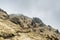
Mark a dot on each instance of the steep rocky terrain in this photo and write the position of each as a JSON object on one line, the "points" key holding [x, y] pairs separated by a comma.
{"points": [[20, 27]]}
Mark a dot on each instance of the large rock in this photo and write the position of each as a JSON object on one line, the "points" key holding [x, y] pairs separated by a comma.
{"points": [[3, 14], [36, 21]]}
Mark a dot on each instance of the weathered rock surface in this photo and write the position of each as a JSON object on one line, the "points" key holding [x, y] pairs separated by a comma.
{"points": [[20, 27]]}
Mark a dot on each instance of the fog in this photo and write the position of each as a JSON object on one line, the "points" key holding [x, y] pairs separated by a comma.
{"points": [[47, 10]]}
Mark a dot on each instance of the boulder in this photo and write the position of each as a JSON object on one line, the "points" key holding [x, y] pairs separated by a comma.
{"points": [[3, 14], [35, 21], [57, 31]]}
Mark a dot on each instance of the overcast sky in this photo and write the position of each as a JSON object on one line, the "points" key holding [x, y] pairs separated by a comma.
{"points": [[47, 10]]}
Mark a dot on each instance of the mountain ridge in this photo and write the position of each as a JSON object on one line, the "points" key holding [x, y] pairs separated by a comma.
{"points": [[20, 27]]}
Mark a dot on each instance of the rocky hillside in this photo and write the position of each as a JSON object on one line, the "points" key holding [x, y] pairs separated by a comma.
{"points": [[20, 27]]}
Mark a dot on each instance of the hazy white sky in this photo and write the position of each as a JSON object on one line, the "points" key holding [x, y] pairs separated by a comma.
{"points": [[47, 10]]}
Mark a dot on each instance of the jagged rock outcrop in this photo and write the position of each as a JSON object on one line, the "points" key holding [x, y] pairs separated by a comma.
{"points": [[20, 27], [3, 14]]}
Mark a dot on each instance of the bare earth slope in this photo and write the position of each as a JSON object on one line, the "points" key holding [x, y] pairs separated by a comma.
{"points": [[20, 27]]}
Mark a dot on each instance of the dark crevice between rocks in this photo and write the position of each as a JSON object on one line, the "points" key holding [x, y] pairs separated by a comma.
{"points": [[15, 20], [24, 31], [7, 36], [51, 38], [42, 30]]}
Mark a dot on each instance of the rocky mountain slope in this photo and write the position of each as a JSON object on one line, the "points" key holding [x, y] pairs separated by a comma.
{"points": [[20, 27]]}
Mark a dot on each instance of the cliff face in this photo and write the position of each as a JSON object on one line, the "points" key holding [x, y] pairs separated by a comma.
{"points": [[20, 27]]}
